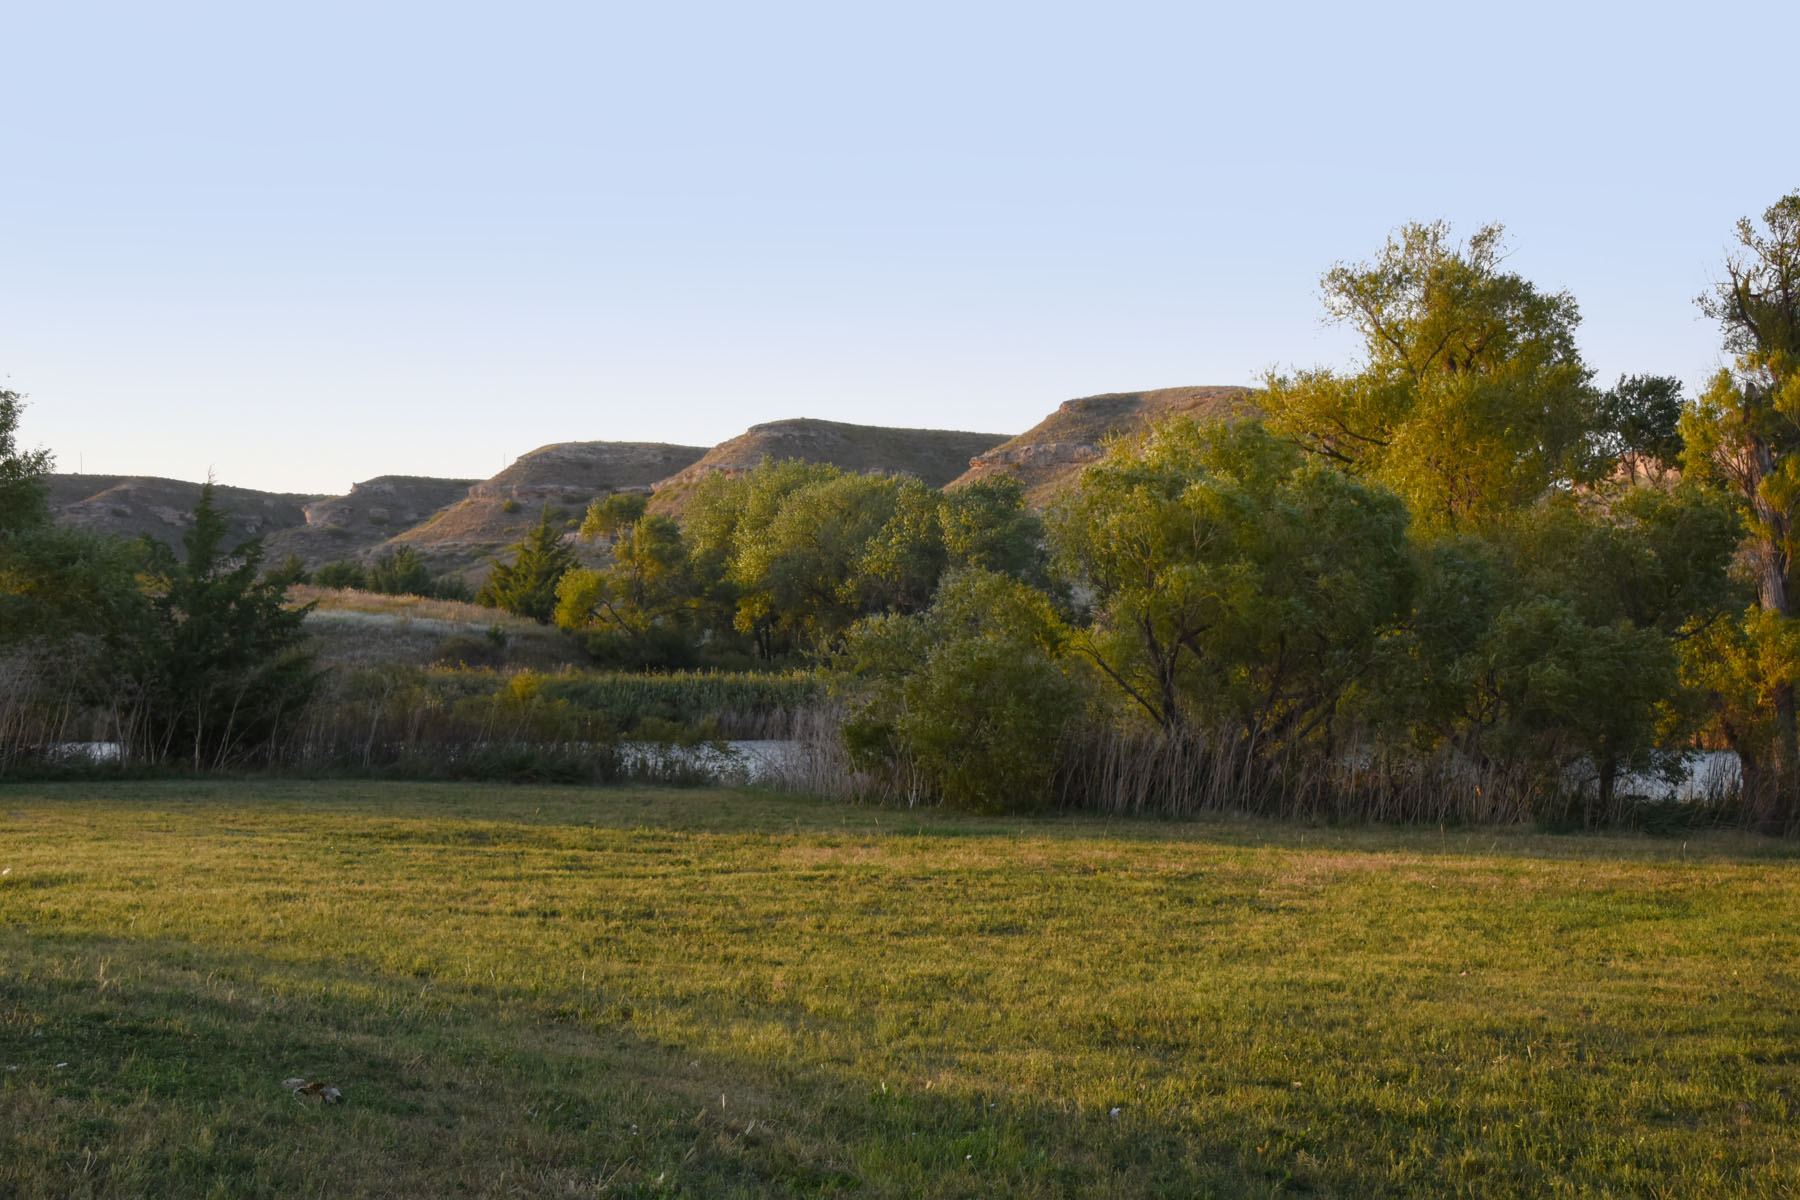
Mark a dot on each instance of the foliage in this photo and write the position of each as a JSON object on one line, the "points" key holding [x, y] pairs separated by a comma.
{"points": [[641, 609], [289, 571], [1745, 434], [1640, 425], [1232, 580], [607, 517], [341, 575], [222, 663], [21, 473], [984, 525], [969, 701], [402, 573], [1743, 666], [526, 586], [1551, 646], [795, 574], [1472, 401]]}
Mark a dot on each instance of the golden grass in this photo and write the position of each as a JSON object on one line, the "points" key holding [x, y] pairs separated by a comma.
{"points": [[544, 991]]}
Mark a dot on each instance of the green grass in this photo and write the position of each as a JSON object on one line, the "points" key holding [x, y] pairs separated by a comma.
{"points": [[566, 992]]}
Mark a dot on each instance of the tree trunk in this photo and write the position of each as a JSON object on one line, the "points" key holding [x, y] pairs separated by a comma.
{"points": [[1776, 811]]}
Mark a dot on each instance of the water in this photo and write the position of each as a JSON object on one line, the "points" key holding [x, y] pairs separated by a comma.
{"points": [[1711, 774], [758, 760]]}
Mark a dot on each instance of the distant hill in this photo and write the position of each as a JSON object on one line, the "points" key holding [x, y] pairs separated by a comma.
{"points": [[934, 456], [129, 505], [352, 526], [497, 512], [458, 524], [1049, 456]]}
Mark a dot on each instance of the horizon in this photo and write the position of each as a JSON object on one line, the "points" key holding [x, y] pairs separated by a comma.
{"points": [[303, 250]]}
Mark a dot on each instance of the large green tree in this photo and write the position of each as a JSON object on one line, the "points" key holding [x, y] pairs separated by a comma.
{"points": [[639, 611], [1233, 581], [1472, 399], [1745, 433]]}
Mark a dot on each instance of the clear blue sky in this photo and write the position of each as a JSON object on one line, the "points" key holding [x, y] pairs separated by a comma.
{"points": [[307, 244]]}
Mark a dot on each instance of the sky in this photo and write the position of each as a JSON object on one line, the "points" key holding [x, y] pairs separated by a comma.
{"points": [[299, 246]]}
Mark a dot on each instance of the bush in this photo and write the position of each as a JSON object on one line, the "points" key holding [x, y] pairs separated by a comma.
{"points": [[968, 702], [341, 575]]}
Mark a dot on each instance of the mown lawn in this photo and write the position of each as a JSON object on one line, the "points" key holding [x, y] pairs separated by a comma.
{"points": [[567, 992]]}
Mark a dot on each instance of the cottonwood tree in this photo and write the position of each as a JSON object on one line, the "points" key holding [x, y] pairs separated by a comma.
{"points": [[640, 610], [21, 473], [1472, 400], [1745, 432], [1234, 582]]}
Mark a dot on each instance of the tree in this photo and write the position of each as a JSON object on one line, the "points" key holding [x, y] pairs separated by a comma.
{"points": [[1234, 582], [1640, 425], [1585, 660], [1745, 433], [725, 514], [1472, 401], [288, 572], [795, 575], [222, 661], [639, 609], [342, 574], [967, 702], [21, 473], [526, 587], [402, 573], [608, 517]]}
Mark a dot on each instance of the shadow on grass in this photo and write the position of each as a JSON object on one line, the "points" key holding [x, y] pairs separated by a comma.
{"points": [[155, 1068]]}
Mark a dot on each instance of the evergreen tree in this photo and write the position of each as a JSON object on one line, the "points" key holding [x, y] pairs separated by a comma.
{"points": [[222, 661], [402, 573], [526, 587]]}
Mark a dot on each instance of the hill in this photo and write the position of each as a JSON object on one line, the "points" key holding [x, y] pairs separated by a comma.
{"points": [[353, 526], [131, 505], [496, 512], [934, 456], [1047, 457]]}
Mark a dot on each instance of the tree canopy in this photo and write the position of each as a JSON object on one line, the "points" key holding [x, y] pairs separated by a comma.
{"points": [[1472, 400]]}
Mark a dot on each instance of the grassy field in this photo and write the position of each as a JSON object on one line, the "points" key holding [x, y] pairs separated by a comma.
{"points": [[561, 992]]}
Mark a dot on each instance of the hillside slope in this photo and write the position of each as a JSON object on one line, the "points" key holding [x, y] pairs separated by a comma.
{"points": [[353, 526], [1048, 457], [130, 505], [934, 456], [497, 512]]}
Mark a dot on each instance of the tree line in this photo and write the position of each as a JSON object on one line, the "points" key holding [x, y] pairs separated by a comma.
{"points": [[1461, 558]]}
